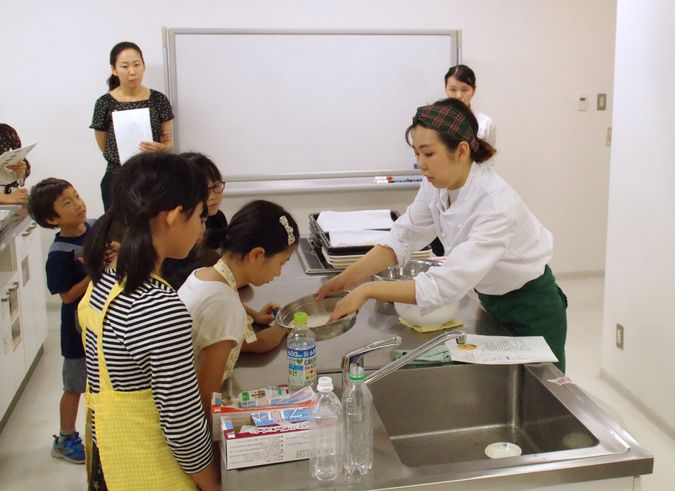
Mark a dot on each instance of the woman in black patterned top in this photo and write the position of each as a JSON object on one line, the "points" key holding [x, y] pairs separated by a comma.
{"points": [[10, 191], [128, 92]]}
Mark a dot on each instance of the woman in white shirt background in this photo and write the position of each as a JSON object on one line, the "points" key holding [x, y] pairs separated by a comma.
{"points": [[493, 243], [460, 83]]}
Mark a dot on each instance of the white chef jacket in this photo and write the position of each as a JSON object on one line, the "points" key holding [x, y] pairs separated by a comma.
{"points": [[486, 128], [493, 243]]}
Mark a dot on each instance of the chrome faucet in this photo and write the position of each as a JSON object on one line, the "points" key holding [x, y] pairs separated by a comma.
{"points": [[355, 357]]}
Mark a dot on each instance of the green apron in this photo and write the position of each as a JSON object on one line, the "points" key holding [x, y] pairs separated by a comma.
{"points": [[538, 308]]}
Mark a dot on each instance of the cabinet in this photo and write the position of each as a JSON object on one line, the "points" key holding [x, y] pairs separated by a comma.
{"points": [[31, 288], [23, 313]]}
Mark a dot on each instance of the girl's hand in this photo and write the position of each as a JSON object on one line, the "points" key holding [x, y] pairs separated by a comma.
{"points": [[350, 303], [266, 314], [152, 147]]}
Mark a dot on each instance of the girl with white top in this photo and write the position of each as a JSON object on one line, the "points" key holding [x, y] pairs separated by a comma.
{"points": [[460, 83], [259, 240], [494, 244]]}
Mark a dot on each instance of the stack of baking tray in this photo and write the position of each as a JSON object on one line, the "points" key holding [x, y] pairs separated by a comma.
{"points": [[341, 257]]}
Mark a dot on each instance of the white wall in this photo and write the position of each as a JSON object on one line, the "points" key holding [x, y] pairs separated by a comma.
{"points": [[641, 227], [533, 59]]}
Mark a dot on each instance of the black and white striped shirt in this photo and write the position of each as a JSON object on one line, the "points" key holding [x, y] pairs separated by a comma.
{"points": [[147, 344]]}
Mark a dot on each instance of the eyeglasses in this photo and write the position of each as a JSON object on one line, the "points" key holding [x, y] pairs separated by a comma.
{"points": [[217, 187]]}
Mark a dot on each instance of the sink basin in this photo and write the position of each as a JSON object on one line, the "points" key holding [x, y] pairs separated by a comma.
{"points": [[449, 415]]}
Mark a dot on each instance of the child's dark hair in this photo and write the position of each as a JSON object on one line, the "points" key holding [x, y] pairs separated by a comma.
{"points": [[147, 184], [263, 224], [462, 73], [41, 200], [484, 152], [114, 80], [205, 164]]}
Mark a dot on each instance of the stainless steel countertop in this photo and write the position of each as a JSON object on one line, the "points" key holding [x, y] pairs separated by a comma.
{"points": [[377, 320]]}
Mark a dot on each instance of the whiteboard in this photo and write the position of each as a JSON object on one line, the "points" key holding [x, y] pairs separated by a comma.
{"points": [[294, 104]]}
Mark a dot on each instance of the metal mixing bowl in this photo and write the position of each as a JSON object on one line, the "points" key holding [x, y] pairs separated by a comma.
{"points": [[315, 308], [407, 272]]}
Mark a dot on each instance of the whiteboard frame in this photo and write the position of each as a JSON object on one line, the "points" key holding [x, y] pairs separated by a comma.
{"points": [[170, 77]]}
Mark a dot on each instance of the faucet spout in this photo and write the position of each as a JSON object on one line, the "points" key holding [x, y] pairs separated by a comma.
{"points": [[355, 357], [459, 336]]}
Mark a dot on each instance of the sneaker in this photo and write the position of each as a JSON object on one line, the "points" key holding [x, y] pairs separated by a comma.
{"points": [[70, 448]]}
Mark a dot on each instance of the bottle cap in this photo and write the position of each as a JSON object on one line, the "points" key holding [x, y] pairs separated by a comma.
{"points": [[300, 319], [357, 373], [325, 384]]}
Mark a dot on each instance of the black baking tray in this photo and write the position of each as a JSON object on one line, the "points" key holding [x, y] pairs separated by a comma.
{"points": [[324, 238]]}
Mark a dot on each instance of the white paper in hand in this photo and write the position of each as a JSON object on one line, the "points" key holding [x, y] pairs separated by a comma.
{"points": [[10, 157], [131, 128]]}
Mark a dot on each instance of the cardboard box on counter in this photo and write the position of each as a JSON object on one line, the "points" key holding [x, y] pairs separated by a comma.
{"points": [[240, 416], [264, 445]]}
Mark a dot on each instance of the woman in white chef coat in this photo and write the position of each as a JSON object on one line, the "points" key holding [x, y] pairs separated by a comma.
{"points": [[493, 243], [460, 83]]}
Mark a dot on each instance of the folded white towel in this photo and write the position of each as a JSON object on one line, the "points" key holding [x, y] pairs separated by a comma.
{"points": [[346, 238], [335, 221]]}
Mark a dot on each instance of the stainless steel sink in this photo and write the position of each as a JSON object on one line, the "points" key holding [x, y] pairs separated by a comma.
{"points": [[437, 415]]}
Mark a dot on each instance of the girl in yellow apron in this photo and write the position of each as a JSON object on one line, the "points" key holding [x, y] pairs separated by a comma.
{"points": [[147, 429], [260, 239]]}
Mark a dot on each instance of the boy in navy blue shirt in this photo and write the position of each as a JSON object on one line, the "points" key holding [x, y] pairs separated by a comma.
{"points": [[54, 203]]}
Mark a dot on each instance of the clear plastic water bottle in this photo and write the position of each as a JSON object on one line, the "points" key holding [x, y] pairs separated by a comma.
{"points": [[357, 403], [301, 349], [325, 433]]}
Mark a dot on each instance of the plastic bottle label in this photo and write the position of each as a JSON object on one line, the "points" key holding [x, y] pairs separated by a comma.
{"points": [[301, 366]]}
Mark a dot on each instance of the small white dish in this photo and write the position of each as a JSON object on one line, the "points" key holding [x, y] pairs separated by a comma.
{"points": [[499, 450]]}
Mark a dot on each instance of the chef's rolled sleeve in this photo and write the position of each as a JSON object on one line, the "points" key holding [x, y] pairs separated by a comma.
{"points": [[413, 230]]}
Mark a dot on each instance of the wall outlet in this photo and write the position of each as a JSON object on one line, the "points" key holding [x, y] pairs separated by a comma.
{"points": [[601, 103], [608, 140], [619, 336], [583, 103]]}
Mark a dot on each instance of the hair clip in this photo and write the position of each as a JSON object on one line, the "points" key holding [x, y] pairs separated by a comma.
{"points": [[289, 230]]}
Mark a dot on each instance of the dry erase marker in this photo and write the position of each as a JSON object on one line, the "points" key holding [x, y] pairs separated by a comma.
{"points": [[394, 180]]}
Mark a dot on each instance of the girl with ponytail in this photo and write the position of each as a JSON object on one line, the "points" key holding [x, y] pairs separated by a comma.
{"points": [[148, 428], [126, 91], [493, 243], [259, 240]]}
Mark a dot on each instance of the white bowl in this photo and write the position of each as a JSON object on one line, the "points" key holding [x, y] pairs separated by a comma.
{"points": [[440, 316]]}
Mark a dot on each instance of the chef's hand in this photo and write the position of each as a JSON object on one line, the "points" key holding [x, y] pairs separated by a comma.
{"points": [[153, 147], [266, 314], [350, 303], [339, 282]]}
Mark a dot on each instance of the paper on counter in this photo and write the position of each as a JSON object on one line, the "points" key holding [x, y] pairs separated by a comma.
{"points": [[501, 350], [12, 157], [131, 128], [346, 238], [337, 221]]}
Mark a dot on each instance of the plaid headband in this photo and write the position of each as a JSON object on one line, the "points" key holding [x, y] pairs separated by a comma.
{"points": [[449, 121]]}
